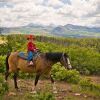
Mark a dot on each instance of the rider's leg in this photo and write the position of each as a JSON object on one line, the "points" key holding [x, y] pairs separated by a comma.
{"points": [[30, 57]]}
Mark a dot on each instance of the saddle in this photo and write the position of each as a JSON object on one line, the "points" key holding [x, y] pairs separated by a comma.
{"points": [[25, 55]]}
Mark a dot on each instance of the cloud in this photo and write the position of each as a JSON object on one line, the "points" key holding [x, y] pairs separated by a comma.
{"points": [[59, 12], [66, 1], [56, 4]]}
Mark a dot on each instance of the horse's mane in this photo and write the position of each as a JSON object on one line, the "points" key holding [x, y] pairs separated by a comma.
{"points": [[54, 56]]}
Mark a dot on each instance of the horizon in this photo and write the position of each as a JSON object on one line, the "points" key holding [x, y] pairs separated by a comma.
{"points": [[16, 13], [50, 25]]}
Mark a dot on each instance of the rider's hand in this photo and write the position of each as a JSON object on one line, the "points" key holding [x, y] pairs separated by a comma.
{"points": [[36, 50]]}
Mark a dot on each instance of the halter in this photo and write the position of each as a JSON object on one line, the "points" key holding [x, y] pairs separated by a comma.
{"points": [[65, 60]]}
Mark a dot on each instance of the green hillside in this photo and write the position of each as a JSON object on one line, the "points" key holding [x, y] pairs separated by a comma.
{"points": [[84, 54]]}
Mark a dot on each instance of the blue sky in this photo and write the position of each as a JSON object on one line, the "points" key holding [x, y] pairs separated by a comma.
{"points": [[58, 12]]}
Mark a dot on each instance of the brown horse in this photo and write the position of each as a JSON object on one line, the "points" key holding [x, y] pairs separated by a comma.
{"points": [[43, 65]]}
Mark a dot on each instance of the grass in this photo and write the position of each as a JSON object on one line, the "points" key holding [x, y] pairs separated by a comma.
{"points": [[45, 92], [88, 92], [25, 94]]}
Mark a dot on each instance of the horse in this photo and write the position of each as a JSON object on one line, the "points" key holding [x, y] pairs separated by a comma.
{"points": [[43, 65]]}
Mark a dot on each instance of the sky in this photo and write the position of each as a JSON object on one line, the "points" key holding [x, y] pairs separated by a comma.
{"points": [[15, 13]]}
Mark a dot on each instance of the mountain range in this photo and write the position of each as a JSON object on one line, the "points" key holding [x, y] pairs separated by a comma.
{"points": [[67, 30]]}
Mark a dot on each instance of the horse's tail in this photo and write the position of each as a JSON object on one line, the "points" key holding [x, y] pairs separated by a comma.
{"points": [[7, 64]]}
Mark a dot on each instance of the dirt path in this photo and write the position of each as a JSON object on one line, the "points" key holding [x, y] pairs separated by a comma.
{"points": [[95, 79], [63, 88]]}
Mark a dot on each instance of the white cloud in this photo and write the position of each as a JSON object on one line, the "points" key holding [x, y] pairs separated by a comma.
{"points": [[22, 12], [54, 3]]}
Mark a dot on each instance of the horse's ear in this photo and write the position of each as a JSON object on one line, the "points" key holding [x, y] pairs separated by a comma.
{"points": [[66, 54]]}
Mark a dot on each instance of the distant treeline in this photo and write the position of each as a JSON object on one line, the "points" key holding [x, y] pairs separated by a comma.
{"points": [[82, 42]]}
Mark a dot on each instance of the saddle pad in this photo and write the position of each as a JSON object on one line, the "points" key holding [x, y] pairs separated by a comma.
{"points": [[25, 55], [22, 55]]}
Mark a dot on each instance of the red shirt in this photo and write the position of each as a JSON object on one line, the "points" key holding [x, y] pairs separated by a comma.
{"points": [[31, 46]]}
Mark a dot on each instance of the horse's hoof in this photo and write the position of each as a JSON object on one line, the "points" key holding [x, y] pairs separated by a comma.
{"points": [[55, 92], [12, 94], [33, 92]]}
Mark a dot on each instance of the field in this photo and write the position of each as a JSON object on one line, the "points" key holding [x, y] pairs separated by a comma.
{"points": [[81, 83], [64, 91]]}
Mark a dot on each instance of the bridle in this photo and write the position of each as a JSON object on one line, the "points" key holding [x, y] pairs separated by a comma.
{"points": [[64, 60]]}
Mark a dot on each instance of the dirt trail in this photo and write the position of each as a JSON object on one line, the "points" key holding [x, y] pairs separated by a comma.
{"points": [[63, 88], [95, 79]]}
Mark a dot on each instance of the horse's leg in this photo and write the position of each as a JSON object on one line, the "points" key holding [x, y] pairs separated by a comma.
{"points": [[15, 80], [7, 67], [6, 76], [52, 80], [54, 87], [36, 81]]}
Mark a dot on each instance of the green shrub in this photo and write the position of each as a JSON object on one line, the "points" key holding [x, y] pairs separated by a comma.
{"points": [[85, 60], [2, 64], [96, 87], [88, 87], [60, 73], [44, 95], [3, 86], [4, 49], [87, 84]]}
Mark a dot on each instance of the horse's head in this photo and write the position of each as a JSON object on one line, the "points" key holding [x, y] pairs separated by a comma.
{"points": [[59, 57], [65, 61]]}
